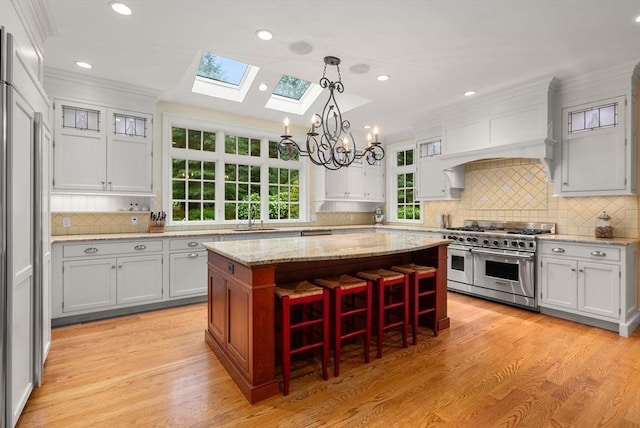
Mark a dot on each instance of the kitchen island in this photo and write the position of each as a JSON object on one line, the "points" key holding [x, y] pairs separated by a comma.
{"points": [[242, 276]]}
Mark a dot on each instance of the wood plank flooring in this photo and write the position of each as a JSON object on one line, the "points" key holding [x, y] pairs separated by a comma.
{"points": [[496, 366]]}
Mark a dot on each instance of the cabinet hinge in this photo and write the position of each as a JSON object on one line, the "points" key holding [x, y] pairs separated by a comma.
{"points": [[619, 274], [63, 305], [619, 311]]}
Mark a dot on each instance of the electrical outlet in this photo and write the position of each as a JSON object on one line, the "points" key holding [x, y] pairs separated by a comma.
{"points": [[134, 220], [66, 221]]}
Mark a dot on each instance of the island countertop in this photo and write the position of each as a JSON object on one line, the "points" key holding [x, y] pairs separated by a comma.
{"points": [[331, 247]]}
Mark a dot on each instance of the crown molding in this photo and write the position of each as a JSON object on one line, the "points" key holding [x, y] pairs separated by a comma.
{"points": [[98, 82], [37, 20]]}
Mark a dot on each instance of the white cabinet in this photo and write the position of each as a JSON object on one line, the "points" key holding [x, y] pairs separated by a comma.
{"points": [[374, 182], [345, 183], [103, 275], [436, 180], [188, 266], [103, 150], [595, 155], [590, 282]]}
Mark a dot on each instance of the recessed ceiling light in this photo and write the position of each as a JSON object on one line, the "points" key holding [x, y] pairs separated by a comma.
{"points": [[83, 64], [301, 47], [120, 8], [469, 93], [264, 34], [263, 87], [383, 77], [367, 127], [637, 19]]}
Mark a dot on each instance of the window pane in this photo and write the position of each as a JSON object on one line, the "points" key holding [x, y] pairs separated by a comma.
{"points": [[255, 174], [243, 192], [593, 118], [229, 191], [401, 196], [608, 116], [400, 159], [179, 211], [291, 87], [179, 189], [230, 172], [409, 157], [400, 181], [223, 69], [255, 147], [284, 176], [195, 140], [179, 168], [243, 146], [409, 180], [243, 173], [209, 211], [230, 144], [195, 190], [208, 191], [209, 170], [209, 141], [194, 170], [230, 211], [273, 150], [295, 176], [194, 211]]}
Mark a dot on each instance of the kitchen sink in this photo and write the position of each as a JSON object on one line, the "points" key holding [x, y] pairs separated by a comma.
{"points": [[254, 229]]}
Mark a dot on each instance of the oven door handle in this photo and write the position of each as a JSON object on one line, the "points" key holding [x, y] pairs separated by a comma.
{"points": [[459, 247], [495, 253]]}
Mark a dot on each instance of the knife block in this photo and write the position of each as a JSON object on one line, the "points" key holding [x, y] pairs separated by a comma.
{"points": [[156, 226]]}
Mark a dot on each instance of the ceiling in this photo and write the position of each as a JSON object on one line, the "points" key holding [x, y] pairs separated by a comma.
{"points": [[434, 51]]}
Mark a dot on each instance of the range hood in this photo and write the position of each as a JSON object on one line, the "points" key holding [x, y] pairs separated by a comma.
{"points": [[516, 123]]}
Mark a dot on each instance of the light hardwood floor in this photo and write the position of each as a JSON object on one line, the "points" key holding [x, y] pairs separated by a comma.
{"points": [[495, 366]]}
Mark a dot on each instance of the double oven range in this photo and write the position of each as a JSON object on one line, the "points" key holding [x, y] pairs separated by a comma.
{"points": [[495, 260]]}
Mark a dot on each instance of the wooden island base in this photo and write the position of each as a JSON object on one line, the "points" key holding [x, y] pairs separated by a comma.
{"points": [[241, 306]]}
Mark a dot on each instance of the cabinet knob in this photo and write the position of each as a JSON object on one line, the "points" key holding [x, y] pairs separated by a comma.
{"points": [[192, 244], [598, 253], [119, 266], [573, 269], [558, 250], [140, 247], [580, 270]]}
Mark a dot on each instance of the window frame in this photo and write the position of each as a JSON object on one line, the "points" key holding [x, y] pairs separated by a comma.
{"points": [[221, 158], [393, 171]]}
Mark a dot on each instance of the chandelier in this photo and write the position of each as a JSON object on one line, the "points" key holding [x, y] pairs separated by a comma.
{"points": [[329, 140]]}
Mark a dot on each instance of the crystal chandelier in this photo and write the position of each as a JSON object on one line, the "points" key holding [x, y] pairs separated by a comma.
{"points": [[329, 140]]}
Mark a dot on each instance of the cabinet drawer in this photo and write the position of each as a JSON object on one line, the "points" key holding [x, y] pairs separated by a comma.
{"points": [[190, 243], [600, 252], [106, 248]]}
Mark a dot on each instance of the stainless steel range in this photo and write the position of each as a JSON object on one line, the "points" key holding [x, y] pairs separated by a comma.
{"points": [[495, 260]]}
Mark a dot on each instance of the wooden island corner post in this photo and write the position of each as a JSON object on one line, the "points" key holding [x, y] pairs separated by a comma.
{"points": [[241, 292]]}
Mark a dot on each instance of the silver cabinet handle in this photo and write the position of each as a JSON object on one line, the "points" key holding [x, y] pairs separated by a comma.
{"points": [[91, 250], [573, 269], [140, 247], [598, 253], [558, 250], [192, 244], [192, 255]]}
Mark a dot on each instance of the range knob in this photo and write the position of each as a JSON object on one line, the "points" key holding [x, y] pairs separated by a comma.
{"points": [[474, 239], [496, 243], [522, 244], [468, 239], [485, 242], [514, 244]]}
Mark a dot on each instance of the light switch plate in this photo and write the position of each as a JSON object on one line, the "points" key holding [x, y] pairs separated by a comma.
{"points": [[134, 220], [66, 221]]}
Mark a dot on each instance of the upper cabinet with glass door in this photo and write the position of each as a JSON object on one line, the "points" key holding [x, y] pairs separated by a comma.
{"points": [[101, 150]]}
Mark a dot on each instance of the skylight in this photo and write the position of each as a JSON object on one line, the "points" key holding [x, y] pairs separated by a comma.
{"points": [[291, 87], [222, 77], [222, 69]]}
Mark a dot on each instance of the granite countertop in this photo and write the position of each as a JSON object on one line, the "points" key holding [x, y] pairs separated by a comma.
{"points": [[215, 232], [589, 239], [353, 245]]}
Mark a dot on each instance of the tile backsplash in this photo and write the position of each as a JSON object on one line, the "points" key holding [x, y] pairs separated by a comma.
{"points": [[517, 189]]}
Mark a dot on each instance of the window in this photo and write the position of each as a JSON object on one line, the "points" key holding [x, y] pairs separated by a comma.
{"points": [[603, 116], [222, 177], [241, 192], [430, 148], [129, 125], [80, 118], [407, 209], [284, 194], [291, 87], [222, 69]]}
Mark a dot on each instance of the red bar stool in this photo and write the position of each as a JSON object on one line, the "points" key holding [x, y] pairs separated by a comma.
{"points": [[351, 304], [304, 310], [423, 294], [392, 293]]}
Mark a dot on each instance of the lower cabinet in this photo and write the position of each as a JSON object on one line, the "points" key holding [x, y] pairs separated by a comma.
{"points": [[187, 273], [590, 281], [97, 283]]}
